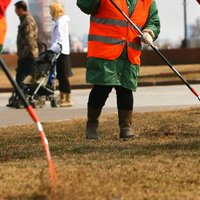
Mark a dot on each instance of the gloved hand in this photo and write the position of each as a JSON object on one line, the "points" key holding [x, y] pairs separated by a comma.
{"points": [[147, 38]]}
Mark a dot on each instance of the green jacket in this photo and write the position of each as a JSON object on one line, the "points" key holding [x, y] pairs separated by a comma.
{"points": [[119, 71]]}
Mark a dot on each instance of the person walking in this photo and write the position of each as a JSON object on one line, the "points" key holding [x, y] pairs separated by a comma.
{"points": [[3, 25], [27, 46], [60, 35], [113, 57]]}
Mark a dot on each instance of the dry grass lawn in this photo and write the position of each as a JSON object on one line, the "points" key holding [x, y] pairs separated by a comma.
{"points": [[162, 164], [147, 74]]}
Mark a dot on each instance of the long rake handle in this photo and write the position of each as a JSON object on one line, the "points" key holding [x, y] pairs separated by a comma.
{"points": [[33, 115], [176, 72], [157, 51]]}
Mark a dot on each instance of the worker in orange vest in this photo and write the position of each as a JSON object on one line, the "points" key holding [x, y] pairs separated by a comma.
{"points": [[113, 59], [3, 26]]}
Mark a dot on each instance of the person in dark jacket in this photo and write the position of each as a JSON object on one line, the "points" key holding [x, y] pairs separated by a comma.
{"points": [[114, 50], [27, 46]]}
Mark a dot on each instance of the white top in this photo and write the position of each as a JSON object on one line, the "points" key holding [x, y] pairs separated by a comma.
{"points": [[60, 34]]}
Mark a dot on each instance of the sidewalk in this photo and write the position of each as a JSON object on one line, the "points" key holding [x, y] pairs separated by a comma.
{"points": [[146, 99]]}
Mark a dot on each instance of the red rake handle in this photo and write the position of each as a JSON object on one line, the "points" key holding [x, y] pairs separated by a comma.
{"points": [[45, 144], [157, 50], [33, 115]]}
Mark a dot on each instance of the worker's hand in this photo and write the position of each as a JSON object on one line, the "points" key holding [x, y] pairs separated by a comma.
{"points": [[147, 38]]}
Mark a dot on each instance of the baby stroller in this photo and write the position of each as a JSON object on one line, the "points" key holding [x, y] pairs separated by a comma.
{"points": [[40, 86]]}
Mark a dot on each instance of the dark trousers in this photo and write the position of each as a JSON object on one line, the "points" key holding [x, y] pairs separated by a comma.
{"points": [[63, 72], [100, 93], [25, 66]]}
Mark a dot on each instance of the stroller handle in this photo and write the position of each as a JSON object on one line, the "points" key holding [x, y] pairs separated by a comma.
{"points": [[59, 52], [60, 45]]}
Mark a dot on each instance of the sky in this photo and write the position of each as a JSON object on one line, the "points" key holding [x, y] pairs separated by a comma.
{"points": [[170, 12]]}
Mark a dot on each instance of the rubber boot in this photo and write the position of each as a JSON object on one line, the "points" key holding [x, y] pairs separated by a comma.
{"points": [[125, 121], [65, 100], [92, 123]]}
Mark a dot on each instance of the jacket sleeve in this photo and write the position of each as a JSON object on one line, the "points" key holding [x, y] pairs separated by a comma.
{"points": [[59, 35], [153, 22], [30, 33], [89, 6]]}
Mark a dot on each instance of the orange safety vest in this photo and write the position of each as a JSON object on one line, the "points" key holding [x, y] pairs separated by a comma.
{"points": [[3, 27], [110, 32]]}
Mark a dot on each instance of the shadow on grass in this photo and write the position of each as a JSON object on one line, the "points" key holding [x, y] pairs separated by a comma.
{"points": [[32, 197], [102, 147], [138, 149]]}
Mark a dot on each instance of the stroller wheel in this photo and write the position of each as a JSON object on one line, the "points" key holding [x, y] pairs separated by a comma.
{"points": [[55, 102], [35, 104], [15, 102], [19, 105], [11, 102], [42, 102]]}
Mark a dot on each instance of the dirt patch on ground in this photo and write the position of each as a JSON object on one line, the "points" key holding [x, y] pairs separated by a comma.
{"points": [[163, 163]]}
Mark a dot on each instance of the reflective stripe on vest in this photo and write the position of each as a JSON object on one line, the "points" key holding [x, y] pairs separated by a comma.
{"points": [[106, 39], [110, 32], [110, 40], [114, 22]]}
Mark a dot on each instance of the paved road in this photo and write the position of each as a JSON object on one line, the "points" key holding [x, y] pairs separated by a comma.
{"points": [[155, 98]]}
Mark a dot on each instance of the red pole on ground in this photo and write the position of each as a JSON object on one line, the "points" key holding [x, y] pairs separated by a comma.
{"points": [[35, 118]]}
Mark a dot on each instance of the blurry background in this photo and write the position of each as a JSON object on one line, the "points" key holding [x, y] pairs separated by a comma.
{"points": [[177, 24]]}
